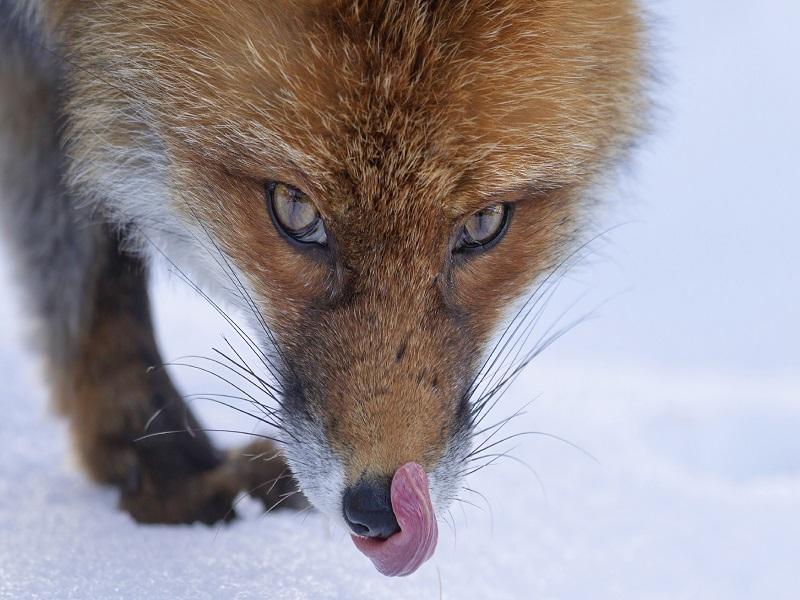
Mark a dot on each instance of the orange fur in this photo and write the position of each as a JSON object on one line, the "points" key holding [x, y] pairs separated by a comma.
{"points": [[399, 119]]}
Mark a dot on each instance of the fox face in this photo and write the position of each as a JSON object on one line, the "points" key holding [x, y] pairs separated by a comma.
{"points": [[375, 183]]}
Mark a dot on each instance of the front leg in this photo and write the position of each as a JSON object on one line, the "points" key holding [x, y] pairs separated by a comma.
{"points": [[114, 395]]}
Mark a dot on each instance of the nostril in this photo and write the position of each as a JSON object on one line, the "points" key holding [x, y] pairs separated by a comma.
{"points": [[368, 510]]}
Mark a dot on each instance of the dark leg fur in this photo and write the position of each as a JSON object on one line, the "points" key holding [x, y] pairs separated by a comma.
{"points": [[111, 386], [89, 299]]}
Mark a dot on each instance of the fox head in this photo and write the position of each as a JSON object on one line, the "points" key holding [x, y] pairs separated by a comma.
{"points": [[375, 182]]}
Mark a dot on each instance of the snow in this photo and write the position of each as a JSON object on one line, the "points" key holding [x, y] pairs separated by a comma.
{"points": [[695, 494], [686, 391]]}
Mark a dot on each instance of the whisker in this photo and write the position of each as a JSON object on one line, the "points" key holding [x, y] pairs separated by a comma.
{"points": [[222, 364], [186, 279], [519, 345], [471, 471], [503, 386], [280, 501], [552, 436], [488, 505], [244, 365], [559, 270], [517, 322], [233, 276], [451, 523], [256, 381], [266, 421], [204, 430], [518, 413], [213, 374], [241, 497]]}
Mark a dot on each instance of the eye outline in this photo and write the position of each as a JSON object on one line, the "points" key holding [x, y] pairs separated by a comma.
{"points": [[460, 248], [295, 239]]}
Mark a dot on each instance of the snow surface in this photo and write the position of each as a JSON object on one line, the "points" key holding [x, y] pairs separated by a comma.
{"points": [[695, 495]]}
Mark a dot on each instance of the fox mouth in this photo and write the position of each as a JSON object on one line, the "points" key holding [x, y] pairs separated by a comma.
{"points": [[405, 551]]}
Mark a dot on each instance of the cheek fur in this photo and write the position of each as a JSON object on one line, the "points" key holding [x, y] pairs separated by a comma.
{"points": [[285, 281], [485, 284]]}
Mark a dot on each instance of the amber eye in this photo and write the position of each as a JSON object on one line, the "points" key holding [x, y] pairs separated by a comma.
{"points": [[483, 228], [295, 215]]}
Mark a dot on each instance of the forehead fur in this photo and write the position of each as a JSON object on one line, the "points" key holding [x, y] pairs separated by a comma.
{"points": [[460, 98]]}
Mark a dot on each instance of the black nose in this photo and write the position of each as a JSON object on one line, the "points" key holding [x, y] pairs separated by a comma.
{"points": [[368, 508]]}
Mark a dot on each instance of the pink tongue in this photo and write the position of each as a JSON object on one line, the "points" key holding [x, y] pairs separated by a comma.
{"points": [[406, 550]]}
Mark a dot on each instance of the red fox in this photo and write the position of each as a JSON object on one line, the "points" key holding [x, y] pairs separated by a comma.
{"points": [[373, 183]]}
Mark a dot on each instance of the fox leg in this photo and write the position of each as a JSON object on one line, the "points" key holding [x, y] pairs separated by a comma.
{"points": [[110, 390], [113, 390], [89, 299]]}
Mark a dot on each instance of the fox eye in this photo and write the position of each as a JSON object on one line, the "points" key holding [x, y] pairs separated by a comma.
{"points": [[295, 215], [483, 228]]}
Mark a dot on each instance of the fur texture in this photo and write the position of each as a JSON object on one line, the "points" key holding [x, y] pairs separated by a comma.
{"points": [[399, 120]]}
